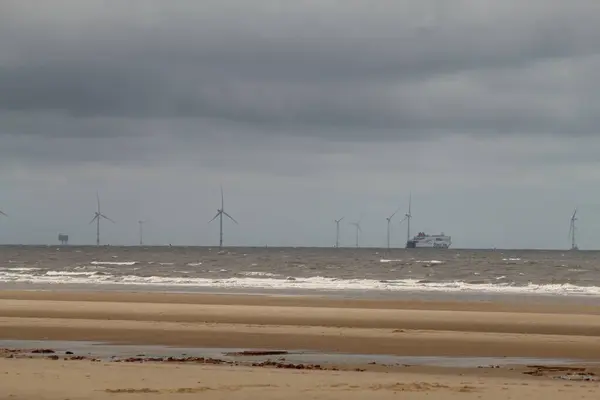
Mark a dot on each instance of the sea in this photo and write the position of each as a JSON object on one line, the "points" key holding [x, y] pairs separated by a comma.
{"points": [[355, 272]]}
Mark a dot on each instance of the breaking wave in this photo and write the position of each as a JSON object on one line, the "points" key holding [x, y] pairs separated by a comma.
{"points": [[256, 281]]}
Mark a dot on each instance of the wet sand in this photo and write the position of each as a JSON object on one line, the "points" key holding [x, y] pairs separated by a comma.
{"points": [[482, 329]]}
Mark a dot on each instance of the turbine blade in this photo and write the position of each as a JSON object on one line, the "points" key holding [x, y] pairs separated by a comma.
{"points": [[93, 219], [215, 217], [395, 212], [1, 213], [222, 199], [105, 217], [230, 217], [98, 200]]}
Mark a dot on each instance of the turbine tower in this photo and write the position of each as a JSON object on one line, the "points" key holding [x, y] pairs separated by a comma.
{"points": [[572, 230], [2, 214], [97, 217], [220, 212], [141, 223], [358, 230], [337, 231], [389, 221], [408, 216]]}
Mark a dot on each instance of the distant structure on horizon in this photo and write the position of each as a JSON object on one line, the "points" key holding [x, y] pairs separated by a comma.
{"points": [[97, 216], [422, 239], [337, 231], [141, 223], [220, 212], [572, 229], [407, 217], [63, 239], [358, 230], [389, 221]]}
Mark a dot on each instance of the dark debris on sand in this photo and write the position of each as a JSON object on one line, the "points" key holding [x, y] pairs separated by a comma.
{"points": [[51, 355], [562, 372]]}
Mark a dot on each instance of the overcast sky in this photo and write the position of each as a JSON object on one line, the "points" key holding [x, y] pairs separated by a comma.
{"points": [[488, 111]]}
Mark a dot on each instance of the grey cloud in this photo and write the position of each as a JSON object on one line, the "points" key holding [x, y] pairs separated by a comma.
{"points": [[340, 70]]}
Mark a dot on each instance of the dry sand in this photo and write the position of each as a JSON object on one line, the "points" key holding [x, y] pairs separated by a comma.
{"points": [[352, 326], [44, 379]]}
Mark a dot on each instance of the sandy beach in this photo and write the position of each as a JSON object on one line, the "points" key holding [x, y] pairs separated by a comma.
{"points": [[45, 379], [403, 328]]}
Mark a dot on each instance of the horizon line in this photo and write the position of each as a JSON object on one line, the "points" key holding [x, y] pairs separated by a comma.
{"points": [[349, 247]]}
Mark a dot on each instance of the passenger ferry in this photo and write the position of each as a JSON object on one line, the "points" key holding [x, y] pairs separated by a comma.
{"points": [[422, 239]]}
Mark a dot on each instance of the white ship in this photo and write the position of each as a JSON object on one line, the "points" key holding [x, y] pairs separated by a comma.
{"points": [[422, 239]]}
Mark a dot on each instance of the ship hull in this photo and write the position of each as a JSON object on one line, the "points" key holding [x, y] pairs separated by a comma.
{"points": [[416, 245], [429, 242]]}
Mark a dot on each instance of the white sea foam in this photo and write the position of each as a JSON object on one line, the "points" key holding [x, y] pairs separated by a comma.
{"points": [[71, 273], [196, 264], [258, 273], [383, 260], [113, 262], [511, 259], [20, 269], [311, 283]]}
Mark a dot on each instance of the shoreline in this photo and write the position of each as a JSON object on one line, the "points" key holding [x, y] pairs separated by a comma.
{"points": [[547, 304], [411, 295]]}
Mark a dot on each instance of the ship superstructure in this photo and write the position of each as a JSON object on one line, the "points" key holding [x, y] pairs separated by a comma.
{"points": [[422, 239]]}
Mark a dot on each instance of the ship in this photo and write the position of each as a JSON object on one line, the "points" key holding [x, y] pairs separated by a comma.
{"points": [[422, 239]]}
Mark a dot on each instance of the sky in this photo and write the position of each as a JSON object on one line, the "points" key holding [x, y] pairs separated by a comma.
{"points": [[487, 111]]}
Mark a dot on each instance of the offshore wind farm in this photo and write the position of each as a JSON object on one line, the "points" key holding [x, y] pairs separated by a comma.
{"points": [[420, 240]]}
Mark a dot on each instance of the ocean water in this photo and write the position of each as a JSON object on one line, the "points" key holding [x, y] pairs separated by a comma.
{"points": [[304, 270]]}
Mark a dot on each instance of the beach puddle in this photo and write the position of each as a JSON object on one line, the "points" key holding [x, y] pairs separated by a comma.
{"points": [[245, 356]]}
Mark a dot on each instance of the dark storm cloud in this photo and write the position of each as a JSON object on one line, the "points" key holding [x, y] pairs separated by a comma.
{"points": [[334, 69]]}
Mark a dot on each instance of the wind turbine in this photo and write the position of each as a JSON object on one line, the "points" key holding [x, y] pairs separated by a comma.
{"points": [[408, 216], [141, 223], [572, 230], [358, 229], [389, 221], [97, 216], [337, 231], [220, 212], [3, 214]]}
